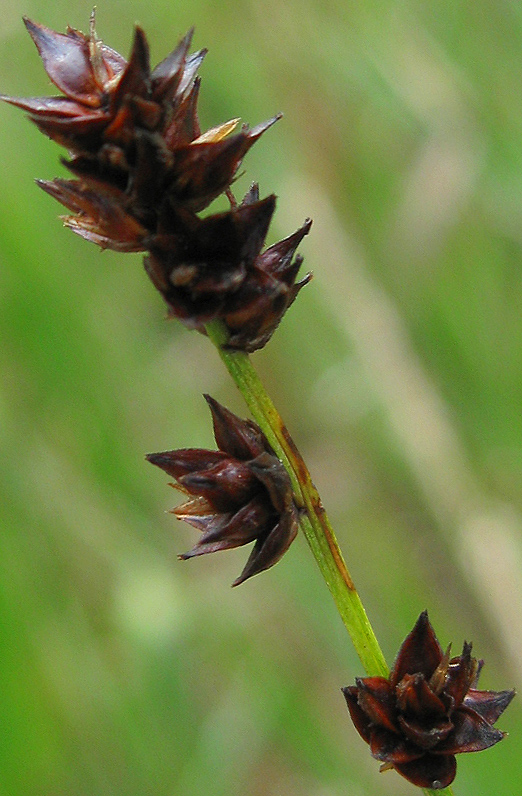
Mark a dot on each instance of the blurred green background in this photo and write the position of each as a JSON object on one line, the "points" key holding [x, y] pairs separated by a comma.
{"points": [[124, 672]]}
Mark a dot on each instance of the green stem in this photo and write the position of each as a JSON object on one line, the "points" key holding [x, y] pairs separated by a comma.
{"points": [[314, 522]]}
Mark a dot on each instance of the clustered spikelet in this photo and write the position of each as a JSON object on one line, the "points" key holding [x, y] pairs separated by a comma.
{"points": [[238, 494], [427, 711], [144, 171], [218, 270]]}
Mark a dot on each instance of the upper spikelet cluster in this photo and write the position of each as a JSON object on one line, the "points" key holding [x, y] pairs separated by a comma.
{"points": [[144, 171]]}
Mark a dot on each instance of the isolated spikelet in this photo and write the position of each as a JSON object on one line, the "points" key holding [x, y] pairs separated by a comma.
{"points": [[238, 494], [427, 711]]}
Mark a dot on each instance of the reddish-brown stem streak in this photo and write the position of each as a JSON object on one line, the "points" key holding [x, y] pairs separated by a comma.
{"points": [[315, 505]]}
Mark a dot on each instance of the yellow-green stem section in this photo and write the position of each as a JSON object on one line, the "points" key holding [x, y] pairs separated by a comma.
{"points": [[314, 522]]}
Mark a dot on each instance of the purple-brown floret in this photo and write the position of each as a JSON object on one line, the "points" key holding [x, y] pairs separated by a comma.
{"points": [[238, 494]]}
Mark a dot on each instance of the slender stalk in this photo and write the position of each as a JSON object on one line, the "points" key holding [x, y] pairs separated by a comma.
{"points": [[314, 521]]}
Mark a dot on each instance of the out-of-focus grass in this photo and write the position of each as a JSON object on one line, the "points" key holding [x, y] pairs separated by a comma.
{"points": [[399, 371]]}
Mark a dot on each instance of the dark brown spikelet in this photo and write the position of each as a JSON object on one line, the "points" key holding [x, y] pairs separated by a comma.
{"points": [[131, 127], [238, 494], [427, 711], [216, 269], [144, 171]]}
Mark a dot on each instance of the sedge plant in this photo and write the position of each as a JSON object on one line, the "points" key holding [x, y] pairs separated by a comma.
{"points": [[142, 175]]}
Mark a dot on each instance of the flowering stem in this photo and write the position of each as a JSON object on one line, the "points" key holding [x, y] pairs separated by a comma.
{"points": [[314, 520], [314, 523]]}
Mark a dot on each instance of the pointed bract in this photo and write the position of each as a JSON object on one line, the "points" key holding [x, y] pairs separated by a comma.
{"points": [[67, 60], [242, 439]]}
